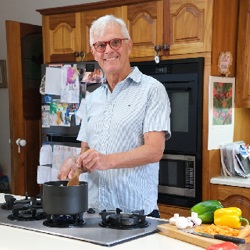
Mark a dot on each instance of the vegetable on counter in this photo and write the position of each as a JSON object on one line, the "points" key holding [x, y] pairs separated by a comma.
{"points": [[223, 246], [182, 222], [230, 216], [206, 209], [244, 232], [224, 230]]}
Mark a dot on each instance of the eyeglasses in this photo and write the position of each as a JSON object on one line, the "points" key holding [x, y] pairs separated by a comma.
{"points": [[115, 44]]}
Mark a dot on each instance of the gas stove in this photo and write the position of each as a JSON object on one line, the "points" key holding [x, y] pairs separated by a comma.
{"points": [[106, 228]]}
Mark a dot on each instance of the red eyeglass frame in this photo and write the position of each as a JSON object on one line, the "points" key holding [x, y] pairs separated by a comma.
{"points": [[108, 42]]}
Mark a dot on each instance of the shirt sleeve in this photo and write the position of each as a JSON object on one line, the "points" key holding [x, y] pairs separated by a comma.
{"points": [[158, 110]]}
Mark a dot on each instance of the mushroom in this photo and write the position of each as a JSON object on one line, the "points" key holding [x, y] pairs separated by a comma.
{"points": [[182, 222], [172, 220], [194, 219]]}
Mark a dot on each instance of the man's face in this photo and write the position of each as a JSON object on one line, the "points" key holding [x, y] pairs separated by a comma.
{"points": [[113, 61]]}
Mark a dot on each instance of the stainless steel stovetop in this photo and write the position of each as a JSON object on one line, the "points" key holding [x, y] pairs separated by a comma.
{"points": [[90, 232]]}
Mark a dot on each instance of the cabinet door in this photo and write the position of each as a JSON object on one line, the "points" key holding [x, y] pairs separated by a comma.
{"points": [[62, 37], [243, 57], [90, 16], [190, 26], [232, 197], [145, 26]]}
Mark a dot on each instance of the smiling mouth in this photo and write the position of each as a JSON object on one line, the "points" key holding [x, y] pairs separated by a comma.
{"points": [[109, 59]]}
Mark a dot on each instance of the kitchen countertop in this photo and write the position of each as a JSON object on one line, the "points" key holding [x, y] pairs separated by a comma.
{"points": [[235, 181], [23, 239]]}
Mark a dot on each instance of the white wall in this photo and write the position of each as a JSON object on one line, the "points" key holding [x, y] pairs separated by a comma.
{"points": [[23, 11]]}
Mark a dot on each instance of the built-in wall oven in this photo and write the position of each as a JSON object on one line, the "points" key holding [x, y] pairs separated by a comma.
{"points": [[180, 174]]}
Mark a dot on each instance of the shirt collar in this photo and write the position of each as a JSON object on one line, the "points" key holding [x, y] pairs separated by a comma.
{"points": [[135, 76]]}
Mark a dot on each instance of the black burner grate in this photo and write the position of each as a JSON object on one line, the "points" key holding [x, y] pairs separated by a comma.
{"points": [[118, 220], [64, 220]]}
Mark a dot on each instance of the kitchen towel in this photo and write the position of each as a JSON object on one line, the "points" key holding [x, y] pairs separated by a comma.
{"points": [[46, 155]]}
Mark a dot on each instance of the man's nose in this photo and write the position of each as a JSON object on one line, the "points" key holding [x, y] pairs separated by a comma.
{"points": [[108, 47]]}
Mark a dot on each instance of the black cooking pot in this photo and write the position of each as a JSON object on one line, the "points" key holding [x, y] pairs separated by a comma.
{"points": [[60, 199]]}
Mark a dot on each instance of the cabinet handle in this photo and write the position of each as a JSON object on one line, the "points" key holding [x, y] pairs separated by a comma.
{"points": [[83, 55], [157, 48], [76, 54], [165, 47]]}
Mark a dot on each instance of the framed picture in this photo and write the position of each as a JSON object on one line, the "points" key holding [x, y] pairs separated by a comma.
{"points": [[224, 62], [3, 74], [221, 111]]}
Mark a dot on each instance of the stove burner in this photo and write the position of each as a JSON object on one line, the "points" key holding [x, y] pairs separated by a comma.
{"points": [[10, 201], [26, 213], [64, 220], [118, 220], [27, 209]]}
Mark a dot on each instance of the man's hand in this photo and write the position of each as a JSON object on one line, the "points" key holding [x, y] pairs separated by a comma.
{"points": [[68, 168], [92, 160]]}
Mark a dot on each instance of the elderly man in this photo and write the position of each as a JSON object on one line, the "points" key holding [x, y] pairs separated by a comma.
{"points": [[125, 126]]}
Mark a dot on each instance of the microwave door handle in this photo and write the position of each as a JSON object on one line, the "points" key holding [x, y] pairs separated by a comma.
{"points": [[177, 89]]}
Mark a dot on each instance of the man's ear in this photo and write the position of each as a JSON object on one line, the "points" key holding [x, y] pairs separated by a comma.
{"points": [[92, 51], [130, 45]]}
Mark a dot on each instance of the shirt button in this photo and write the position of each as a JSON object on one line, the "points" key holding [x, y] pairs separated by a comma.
{"points": [[110, 105], [106, 125], [103, 145]]}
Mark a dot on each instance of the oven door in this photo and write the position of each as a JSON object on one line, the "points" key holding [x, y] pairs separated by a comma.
{"points": [[182, 90]]}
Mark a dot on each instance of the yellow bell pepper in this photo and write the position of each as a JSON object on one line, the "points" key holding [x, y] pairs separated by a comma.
{"points": [[229, 216]]}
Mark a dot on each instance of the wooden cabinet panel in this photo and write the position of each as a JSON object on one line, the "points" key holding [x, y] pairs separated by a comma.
{"points": [[62, 37], [191, 26], [90, 16], [168, 211], [232, 197], [243, 56], [145, 26]]}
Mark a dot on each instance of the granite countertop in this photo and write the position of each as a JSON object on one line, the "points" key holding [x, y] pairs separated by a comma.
{"points": [[235, 181]]}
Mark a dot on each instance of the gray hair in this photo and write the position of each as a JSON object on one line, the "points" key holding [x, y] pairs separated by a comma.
{"points": [[98, 27]]}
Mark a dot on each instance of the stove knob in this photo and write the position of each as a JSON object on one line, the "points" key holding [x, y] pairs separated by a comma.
{"points": [[91, 211]]}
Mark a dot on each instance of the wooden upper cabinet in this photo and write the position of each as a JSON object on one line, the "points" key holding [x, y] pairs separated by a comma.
{"points": [[190, 24], [90, 16], [145, 26], [66, 36], [62, 37], [242, 98], [176, 27], [184, 26]]}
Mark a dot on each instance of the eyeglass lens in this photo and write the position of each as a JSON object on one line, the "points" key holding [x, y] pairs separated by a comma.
{"points": [[114, 44]]}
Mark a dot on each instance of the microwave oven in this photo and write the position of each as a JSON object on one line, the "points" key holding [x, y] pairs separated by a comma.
{"points": [[177, 175], [180, 173]]}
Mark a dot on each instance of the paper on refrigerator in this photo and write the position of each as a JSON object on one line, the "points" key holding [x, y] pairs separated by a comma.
{"points": [[59, 114], [70, 85], [53, 81]]}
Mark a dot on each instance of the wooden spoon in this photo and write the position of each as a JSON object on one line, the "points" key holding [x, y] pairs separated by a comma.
{"points": [[74, 181]]}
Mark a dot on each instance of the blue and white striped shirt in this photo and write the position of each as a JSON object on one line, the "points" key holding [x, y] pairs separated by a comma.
{"points": [[116, 122]]}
